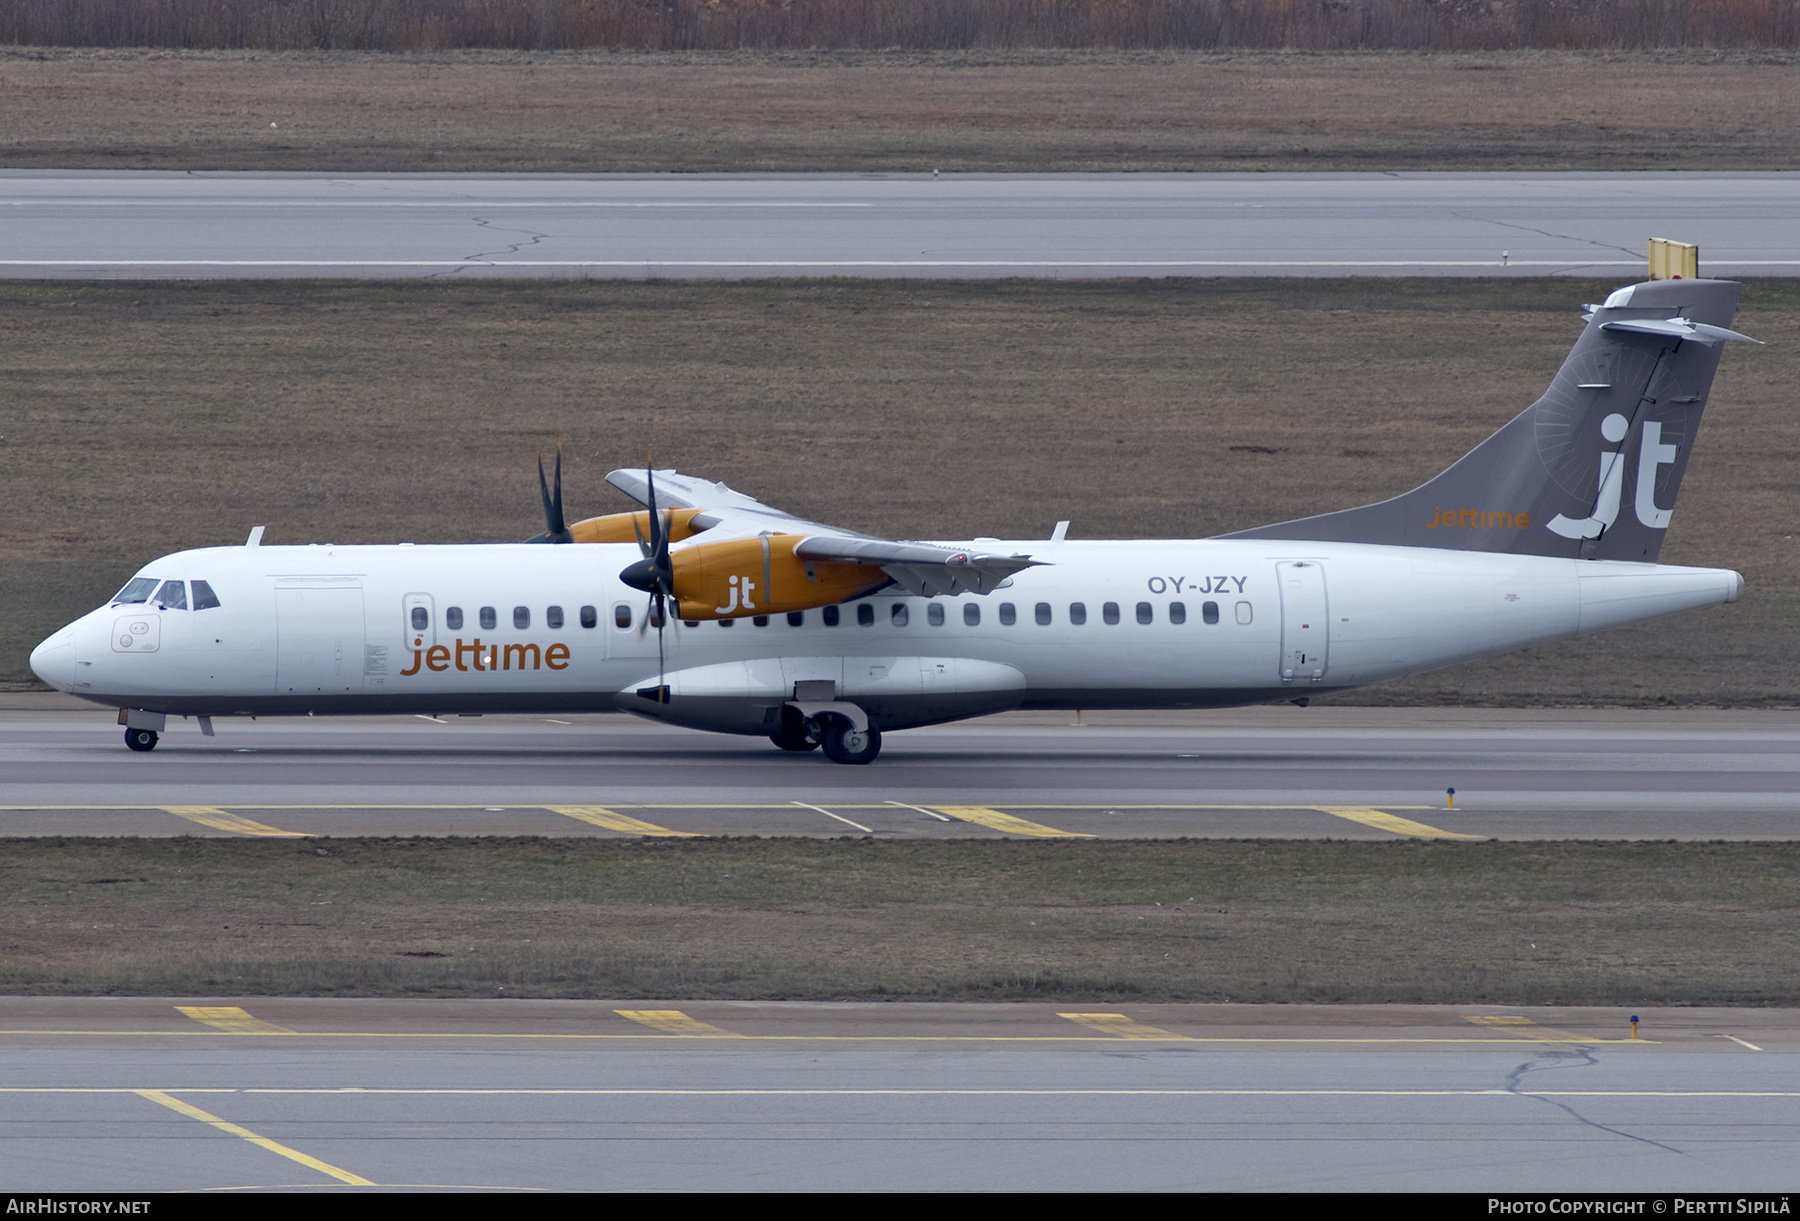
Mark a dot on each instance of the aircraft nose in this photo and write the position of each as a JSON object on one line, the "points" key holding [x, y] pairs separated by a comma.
{"points": [[54, 660]]}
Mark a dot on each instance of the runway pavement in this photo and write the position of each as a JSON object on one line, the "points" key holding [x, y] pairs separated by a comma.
{"points": [[1277, 772], [158, 1094], [108, 225]]}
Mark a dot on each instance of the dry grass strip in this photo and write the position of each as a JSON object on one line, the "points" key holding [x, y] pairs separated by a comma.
{"points": [[1272, 921]]}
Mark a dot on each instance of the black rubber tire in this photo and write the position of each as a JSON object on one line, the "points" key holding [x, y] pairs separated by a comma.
{"points": [[799, 743], [140, 739], [844, 744]]}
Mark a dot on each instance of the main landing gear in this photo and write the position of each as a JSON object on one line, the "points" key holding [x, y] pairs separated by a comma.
{"points": [[140, 739], [843, 742]]}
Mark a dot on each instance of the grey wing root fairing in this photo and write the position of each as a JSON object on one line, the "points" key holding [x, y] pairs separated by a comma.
{"points": [[1592, 468]]}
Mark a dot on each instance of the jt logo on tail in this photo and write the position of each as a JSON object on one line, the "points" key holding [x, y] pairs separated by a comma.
{"points": [[1612, 469]]}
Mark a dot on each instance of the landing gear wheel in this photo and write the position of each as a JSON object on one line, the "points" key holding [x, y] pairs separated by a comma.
{"points": [[141, 739], [798, 742], [846, 744]]}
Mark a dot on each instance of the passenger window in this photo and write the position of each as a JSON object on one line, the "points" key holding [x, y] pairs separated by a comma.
{"points": [[1043, 614], [1178, 612], [173, 595], [934, 614], [830, 616], [1008, 614], [521, 616], [553, 617], [1146, 613], [690, 623], [489, 619], [654, 616], [1110, 612], [796, 618], [622, 615], [589, 617], [1078, 613], [1243, 612], [204, 597], [971, 614], [865, 615], [760, 620], [138, 589], [726, 622], [899, 614], [453, 618], [421, 618], [1209, 612]]}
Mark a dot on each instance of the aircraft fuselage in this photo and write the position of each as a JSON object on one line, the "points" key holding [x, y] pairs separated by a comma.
{"points": [[326, 630]]}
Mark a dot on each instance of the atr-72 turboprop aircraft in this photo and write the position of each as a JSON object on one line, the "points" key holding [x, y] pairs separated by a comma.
{"points": [[756, 622]]}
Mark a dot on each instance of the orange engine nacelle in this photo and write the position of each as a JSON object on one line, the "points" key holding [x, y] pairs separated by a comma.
{"points": [[763, 576], [625, 527]]}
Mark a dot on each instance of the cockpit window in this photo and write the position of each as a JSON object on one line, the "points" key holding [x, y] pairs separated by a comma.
{"points": [[173, 595], [138, 589], [204, 597]]}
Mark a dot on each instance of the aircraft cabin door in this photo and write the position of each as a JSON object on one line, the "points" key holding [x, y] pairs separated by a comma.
{"points": [[1305, 626], [319, 636]]}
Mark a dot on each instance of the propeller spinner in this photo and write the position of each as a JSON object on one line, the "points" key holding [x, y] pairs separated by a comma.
{"points": [[655, 575]]}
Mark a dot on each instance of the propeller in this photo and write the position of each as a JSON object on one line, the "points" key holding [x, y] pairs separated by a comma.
{"points": [[655, 575], [555, 531]]}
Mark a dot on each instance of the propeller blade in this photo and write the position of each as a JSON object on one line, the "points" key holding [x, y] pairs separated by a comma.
{"points": [[555, 529]]}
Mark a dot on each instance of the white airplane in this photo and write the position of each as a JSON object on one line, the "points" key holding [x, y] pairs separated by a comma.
{"points": [[757, 622]]}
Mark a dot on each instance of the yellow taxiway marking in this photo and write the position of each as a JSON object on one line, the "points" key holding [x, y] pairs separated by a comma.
{"points": [[1527, 1028], [674, 1021], [612, 820], [795, 1038], [1120, 1025], [696, 805], [230, 1019], [1384, 821], [983, 816], [194, 1112], [222, 820], [725, 1092]]}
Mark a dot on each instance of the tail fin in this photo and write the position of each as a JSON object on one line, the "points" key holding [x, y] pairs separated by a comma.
{"points": [[1591, 469]]}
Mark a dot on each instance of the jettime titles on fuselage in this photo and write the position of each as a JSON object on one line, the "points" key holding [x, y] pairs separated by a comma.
{"points": [[1478, 519], [486, 658]]}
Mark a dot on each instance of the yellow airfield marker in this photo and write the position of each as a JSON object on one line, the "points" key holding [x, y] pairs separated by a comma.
{"points": [[1390, 822], [982, 816], [612, 820], [674, 1021], [1120, 1025], [223, 1125], [223, 820], [1529, 1029], [230, 1019]]}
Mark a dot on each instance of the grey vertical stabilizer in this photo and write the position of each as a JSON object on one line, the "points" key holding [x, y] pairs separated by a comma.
{"points": [[1591, 469]]}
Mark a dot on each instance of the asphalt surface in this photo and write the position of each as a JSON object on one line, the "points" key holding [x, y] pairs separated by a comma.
{"points": [[161, 1094], [105, 224], [1270, 772]]}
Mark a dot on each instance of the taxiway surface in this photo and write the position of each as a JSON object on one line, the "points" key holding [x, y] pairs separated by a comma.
{"points": [[1278, 772], [155, 1094], [106, 224]]}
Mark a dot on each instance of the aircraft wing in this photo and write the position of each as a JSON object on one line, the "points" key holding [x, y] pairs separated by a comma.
{"points": [[924, 569]]}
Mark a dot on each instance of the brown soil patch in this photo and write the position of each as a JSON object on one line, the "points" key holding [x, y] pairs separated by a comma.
{"points": [[899, 111], [1492, 923]]}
